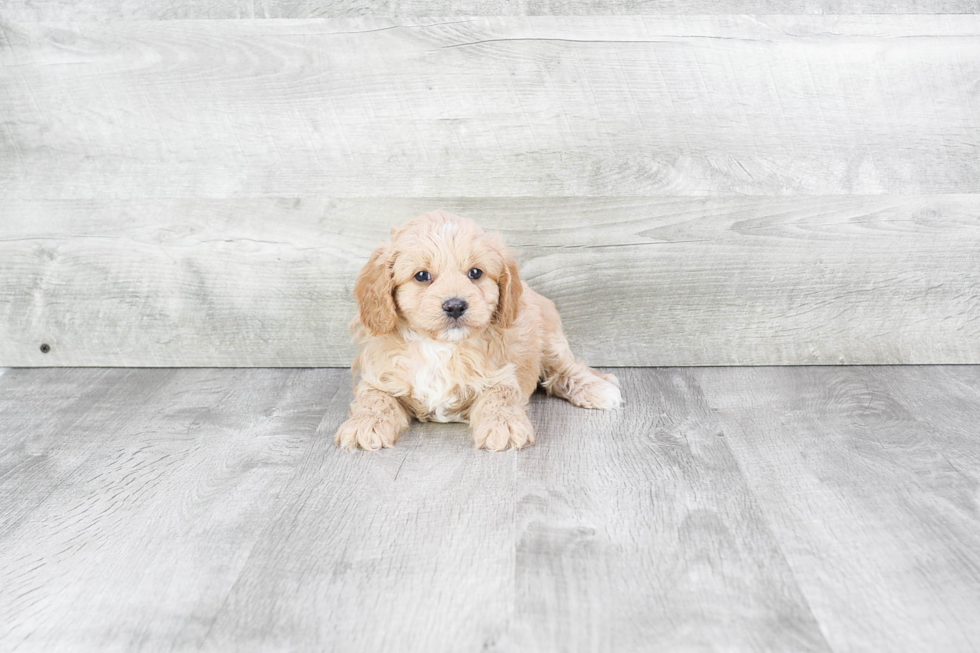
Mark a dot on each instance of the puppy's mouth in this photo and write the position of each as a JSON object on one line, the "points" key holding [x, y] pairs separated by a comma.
{"points": [[455, 331]]}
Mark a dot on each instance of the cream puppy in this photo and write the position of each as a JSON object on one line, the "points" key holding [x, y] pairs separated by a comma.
{"points": [[448, 332]]}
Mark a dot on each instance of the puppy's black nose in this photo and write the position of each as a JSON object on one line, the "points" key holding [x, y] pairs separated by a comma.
{"points": [[454, 307]]}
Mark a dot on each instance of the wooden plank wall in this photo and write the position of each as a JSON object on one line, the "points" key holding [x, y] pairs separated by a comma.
{"points": [[197, 183]]}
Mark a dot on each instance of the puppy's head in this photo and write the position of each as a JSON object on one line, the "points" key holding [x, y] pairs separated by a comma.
{"points": [[443, 276]]}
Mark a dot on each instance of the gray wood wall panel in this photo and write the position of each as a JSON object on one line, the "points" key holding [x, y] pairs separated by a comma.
{"points": [[654, 281], [552, 106], [56, 10], [202, 192]]}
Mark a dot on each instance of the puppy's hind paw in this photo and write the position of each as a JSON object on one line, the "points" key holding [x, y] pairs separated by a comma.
{"points": [[612, 396], [598, 394], [367, 433]]}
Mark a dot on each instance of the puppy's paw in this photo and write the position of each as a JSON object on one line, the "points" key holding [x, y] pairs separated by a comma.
{"points": [[505, 429], [367, 433], [599, 393], [608, 377]]}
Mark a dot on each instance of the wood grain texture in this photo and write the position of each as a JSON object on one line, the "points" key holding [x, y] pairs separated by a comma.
{"points": [[870, 505], [410, 550], [506, 106], [639, 281], [51, 10], [149, 498], [804, 509], [172, 191], [35, 459], [636, 531], [946, 400]]}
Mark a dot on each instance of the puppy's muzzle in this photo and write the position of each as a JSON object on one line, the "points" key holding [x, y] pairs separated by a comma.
{"points": [[454, 307]]}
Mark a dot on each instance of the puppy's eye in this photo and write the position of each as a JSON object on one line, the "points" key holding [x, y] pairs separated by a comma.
{"points": [[475, 273], [423, 276]]}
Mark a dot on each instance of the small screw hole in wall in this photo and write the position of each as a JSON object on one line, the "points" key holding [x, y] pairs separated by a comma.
{"points": [[45, 348]]}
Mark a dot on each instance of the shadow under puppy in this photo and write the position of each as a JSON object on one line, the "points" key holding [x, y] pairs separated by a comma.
{"points": [[448, 332]]}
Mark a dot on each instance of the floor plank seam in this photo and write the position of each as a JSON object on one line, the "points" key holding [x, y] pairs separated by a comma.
{"points": [[767, 520]]}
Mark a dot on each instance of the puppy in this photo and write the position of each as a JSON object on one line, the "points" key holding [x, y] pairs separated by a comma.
{"points": [[448, 332]]}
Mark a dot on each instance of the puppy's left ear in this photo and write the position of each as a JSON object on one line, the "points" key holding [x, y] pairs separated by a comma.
{"points": [[374, 291], [511, 288]]}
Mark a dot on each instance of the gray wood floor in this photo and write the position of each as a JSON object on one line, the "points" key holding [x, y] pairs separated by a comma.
{"points": [[784, 509]]}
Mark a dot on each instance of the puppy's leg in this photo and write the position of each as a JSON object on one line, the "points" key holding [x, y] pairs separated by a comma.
{"points": [[499, 421], [569, 378], [376, 420]]}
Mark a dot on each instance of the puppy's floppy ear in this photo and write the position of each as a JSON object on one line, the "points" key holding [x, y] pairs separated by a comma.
{"points": [[374, 291], [509, 303]]}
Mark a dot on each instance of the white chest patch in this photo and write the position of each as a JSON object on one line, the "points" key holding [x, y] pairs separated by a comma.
{"points": [[432, 383]]}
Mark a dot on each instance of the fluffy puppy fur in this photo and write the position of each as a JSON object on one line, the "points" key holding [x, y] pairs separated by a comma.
{"points": [[418, 359]]}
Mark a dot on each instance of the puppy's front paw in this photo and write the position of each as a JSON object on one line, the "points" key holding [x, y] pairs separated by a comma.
{"points": [[367, 433], [505, 429]]}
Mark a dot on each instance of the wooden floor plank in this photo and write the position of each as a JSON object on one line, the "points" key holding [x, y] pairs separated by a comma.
{"points": [[51, 424], [136, 548], [946, 401], [745, 509], [881, 532], [637, 532], [408, 549]]}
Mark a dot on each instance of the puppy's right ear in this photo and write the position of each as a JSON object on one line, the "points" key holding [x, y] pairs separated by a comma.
{"points": [[374, 291]]}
